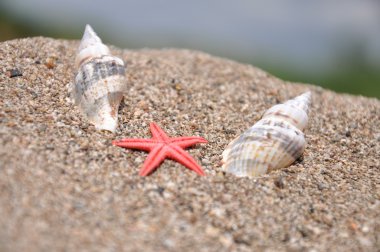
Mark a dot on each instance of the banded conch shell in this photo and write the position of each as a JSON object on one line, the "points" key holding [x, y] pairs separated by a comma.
{"points": [[274, 142], [99, 83]]}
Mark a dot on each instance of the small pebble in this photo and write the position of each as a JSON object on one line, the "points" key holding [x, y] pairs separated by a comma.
{"points": [[50, 62], [280, 182], [322, 186], [13, 73]]}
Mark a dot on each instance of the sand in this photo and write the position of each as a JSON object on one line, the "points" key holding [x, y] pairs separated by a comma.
{"points": [[64, 187]]}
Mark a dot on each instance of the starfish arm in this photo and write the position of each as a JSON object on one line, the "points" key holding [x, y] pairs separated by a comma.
{"points": [[157, 132], [138, 144], [161, 146], [185, 142], [154, 159], [181, 156]]}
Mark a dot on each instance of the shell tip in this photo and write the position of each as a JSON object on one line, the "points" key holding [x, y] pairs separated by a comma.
{"points": [[307, 94], [89, 38], [90, 35], [302, 101], [307, 97], [88, 29], [90, 46], [109, 125]]}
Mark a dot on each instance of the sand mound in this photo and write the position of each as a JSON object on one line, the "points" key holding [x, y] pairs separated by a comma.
{"points": [[63, 186]]}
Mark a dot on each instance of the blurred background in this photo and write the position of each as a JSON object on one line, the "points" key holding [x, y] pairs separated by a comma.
{"points": [[331, 43]]}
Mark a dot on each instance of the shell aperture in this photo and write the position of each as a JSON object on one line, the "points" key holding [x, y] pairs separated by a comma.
{"points": [[99, 83], [274, 142]]}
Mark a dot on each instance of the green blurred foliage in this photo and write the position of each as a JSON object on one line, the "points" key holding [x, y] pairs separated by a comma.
{"points": [[11, 28], [358, 78], [354, 75]]}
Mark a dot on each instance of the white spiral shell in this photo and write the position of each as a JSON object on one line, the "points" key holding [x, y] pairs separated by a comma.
{"points": [[274, 142], [99, 83]]}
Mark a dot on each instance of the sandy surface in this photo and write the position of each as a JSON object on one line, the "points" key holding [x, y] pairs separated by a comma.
{"points": [[64, 187]]}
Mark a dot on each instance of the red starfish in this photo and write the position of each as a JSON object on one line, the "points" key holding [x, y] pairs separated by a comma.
{"points": [[160, 147]]}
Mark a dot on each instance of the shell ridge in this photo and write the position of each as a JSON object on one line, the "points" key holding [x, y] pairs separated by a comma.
{"points": [[99, 83], [274, 142]]}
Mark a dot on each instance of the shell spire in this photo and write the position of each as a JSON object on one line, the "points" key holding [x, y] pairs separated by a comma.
{"points": [[99, 83], [302, 101], [274, 142], [90, 46]]}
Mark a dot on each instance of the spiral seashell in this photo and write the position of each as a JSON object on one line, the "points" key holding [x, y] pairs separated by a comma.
{"points": [[274, 142], [99, 83]]}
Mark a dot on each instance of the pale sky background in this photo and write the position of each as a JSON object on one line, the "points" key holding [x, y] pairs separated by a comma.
{"points": [[310, 36]]}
